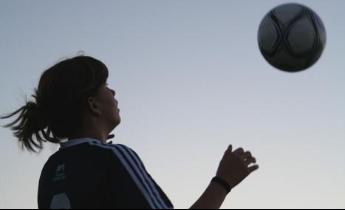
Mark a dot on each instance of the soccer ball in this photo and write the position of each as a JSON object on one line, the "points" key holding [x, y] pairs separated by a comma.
{"points": [[292, 37]]}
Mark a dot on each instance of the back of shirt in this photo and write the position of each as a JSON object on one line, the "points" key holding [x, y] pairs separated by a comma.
{"points": [[88, 174]]}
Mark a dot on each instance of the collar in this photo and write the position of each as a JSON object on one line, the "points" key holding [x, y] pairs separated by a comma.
{"points": [[75, 142]]}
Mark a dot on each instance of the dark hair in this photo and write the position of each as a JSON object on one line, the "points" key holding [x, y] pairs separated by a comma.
{"points": [[55, 113]]}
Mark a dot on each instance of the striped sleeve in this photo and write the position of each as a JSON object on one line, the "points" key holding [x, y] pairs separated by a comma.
{"points": [[144, 187]]}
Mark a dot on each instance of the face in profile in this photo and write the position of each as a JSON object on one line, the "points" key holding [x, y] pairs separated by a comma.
{"points": [[108, 106]]}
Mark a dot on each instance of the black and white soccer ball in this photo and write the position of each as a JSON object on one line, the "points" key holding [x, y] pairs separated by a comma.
{"points": [[292, 37]]}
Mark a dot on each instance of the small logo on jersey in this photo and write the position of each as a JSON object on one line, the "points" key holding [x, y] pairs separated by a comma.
{"points": [[60, 173]]}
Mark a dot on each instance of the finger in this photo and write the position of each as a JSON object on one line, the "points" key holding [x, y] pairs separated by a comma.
{"points": [[239, 152], [247, 155], [253, 168], [249, 161]]}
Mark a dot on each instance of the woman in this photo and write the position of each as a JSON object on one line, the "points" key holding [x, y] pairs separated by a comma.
{"points": [[73, 106]]}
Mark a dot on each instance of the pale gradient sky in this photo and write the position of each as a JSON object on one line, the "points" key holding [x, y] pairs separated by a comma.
{"points": [[190, 81]]}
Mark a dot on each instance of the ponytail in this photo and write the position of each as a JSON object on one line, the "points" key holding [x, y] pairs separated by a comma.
{"points": [[29, 127], [56, 113]]}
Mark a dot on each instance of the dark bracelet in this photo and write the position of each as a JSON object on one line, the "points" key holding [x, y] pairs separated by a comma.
{"points": [[222, 183]]}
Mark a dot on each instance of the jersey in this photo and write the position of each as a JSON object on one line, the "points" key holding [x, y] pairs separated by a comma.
{"points": [[86, 173]]}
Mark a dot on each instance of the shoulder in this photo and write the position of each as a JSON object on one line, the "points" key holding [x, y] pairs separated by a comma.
{"points": [[110, 147], [121, 152]]}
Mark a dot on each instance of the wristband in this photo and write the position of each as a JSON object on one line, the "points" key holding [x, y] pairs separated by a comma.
{"points": [[222, 183]]}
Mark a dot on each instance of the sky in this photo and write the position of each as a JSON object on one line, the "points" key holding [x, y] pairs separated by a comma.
{"points": [[190, 81]]}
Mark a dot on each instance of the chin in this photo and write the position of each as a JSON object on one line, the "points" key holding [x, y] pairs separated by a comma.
{"points": [[117, 121]]}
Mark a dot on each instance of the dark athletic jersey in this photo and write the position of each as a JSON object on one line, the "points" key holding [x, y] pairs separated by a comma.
{"points": [[86, 173]]}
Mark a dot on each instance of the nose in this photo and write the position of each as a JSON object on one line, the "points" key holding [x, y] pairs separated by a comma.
{"points": [[113, 92]]}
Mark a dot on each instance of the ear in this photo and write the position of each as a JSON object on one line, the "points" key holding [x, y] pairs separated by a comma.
{"points": [[93, 106]]}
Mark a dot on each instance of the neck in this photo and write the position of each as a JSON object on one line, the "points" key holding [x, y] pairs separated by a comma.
{"points": [[91, 133]]}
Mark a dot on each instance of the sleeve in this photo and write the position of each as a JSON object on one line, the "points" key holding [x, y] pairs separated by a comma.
{"points": [[131, 185], [164, 197]]}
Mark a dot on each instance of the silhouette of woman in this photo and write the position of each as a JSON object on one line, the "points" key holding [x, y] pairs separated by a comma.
{"points": [[74, 107]]}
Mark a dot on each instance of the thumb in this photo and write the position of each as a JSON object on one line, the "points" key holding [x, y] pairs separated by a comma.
{"points": [[230, 148]]}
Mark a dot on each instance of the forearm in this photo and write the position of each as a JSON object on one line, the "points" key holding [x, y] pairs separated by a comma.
{"points": [[212, 198]]}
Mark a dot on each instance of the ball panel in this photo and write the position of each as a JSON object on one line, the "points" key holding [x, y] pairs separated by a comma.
{"points": [[320, 28], [287, 12], [269, 35], [285, 61], [302, 36]]}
